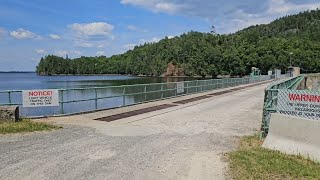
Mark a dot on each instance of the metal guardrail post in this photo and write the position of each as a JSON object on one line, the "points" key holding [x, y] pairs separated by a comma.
{"points": [[203, 86], [61, 102], [197, 85], [162, 91], [96, 98], [124, 96], [264, 115], [9, 96], [187, 87], [145, 93], [175, 89]]}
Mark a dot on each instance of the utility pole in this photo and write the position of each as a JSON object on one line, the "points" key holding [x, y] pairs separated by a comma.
{"points": [[291, 68], [290, 54]]}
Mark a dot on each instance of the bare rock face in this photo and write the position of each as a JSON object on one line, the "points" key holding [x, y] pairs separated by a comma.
{"points": [[173, 70], [9, 113]]}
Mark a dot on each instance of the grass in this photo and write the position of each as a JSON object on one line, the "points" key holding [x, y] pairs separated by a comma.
{"points": [[25, 126], [251, 161]]}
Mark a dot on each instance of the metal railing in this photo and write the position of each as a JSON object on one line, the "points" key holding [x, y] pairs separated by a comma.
{"points": [[271, 98], [80, 100]]}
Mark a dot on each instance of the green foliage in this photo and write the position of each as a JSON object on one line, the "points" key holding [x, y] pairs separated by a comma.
{"points": [[263, 46], [251, 161]]}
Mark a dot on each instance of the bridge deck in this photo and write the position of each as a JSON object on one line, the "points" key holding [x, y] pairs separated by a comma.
{"points": [[185, 141]]}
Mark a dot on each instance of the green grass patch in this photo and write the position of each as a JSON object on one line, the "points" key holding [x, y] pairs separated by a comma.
{"points": [[251, 161], [25, 125]]}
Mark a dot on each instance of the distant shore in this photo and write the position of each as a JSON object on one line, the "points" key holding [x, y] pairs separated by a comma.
{"points": [[17, 72], [129, 75], [124, 75], [114, 75]]}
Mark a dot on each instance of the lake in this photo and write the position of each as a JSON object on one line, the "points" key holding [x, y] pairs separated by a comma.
{"points": [[70, 98], [26, 81]]}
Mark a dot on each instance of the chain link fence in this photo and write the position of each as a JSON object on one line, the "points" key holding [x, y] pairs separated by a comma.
{"points": [[271, 99], [80, 100], [300, 103]]}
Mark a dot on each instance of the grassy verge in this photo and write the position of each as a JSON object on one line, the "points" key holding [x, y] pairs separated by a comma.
{"points": [[251, 161], [25, 126]]}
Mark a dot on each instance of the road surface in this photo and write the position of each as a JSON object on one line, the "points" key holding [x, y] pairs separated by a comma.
{"points": [[187, 141]]}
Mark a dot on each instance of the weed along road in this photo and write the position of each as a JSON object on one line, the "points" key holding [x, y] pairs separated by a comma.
{"points": [[180, 138]]}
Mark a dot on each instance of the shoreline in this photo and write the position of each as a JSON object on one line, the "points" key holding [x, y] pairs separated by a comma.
{"points": [[129, 75]]}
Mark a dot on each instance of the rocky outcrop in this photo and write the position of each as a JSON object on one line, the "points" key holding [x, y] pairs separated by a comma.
{"points": [[9, 113], [173, 70]]}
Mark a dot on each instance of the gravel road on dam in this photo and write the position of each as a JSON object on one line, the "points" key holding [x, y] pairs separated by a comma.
{"points": [[187, 141]]}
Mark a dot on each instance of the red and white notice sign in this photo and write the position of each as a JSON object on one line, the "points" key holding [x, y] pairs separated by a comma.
{"points": [[40, 98]]}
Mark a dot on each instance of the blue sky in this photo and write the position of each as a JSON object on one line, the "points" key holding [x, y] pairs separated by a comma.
{"points": [[32, 29]]}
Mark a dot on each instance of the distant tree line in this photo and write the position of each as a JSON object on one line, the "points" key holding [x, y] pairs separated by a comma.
{"points": [[263, 46]]}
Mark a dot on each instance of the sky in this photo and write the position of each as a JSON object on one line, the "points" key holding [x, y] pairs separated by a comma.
{"points": [[33, 29]]}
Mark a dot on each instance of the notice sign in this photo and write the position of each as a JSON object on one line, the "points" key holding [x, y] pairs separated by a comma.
{"points": [[180, 87], [40, 98], [299, 103]]}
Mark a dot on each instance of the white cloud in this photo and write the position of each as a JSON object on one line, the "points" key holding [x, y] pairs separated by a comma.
{"points": [[100, 53], [54, 36], [275, 9], [92, 29], [283, 7], [96, 34], [41, 51], [166, 7], [23, 34], [229, 16], [242, 20]]}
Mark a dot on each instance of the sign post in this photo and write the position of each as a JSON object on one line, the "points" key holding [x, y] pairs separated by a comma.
{"points": [[40, 98]]}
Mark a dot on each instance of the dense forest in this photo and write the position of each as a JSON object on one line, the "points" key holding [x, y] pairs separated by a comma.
{"points": [[295, 37]]}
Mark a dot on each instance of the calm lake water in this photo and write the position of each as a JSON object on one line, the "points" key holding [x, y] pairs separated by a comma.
{"points": [[26, 81]]}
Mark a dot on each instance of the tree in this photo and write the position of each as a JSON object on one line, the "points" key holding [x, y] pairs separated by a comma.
{"points": [[263, 46]]}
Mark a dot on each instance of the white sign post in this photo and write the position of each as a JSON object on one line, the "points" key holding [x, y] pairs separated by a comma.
{"points": [[40, 98], [180, 87]]}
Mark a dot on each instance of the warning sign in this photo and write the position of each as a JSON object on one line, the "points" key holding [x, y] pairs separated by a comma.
{"points": [[39, 98], [299, 103], [180, 87]]}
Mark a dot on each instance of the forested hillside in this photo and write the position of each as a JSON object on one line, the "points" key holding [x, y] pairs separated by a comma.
{"points": [[194, 53]]}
